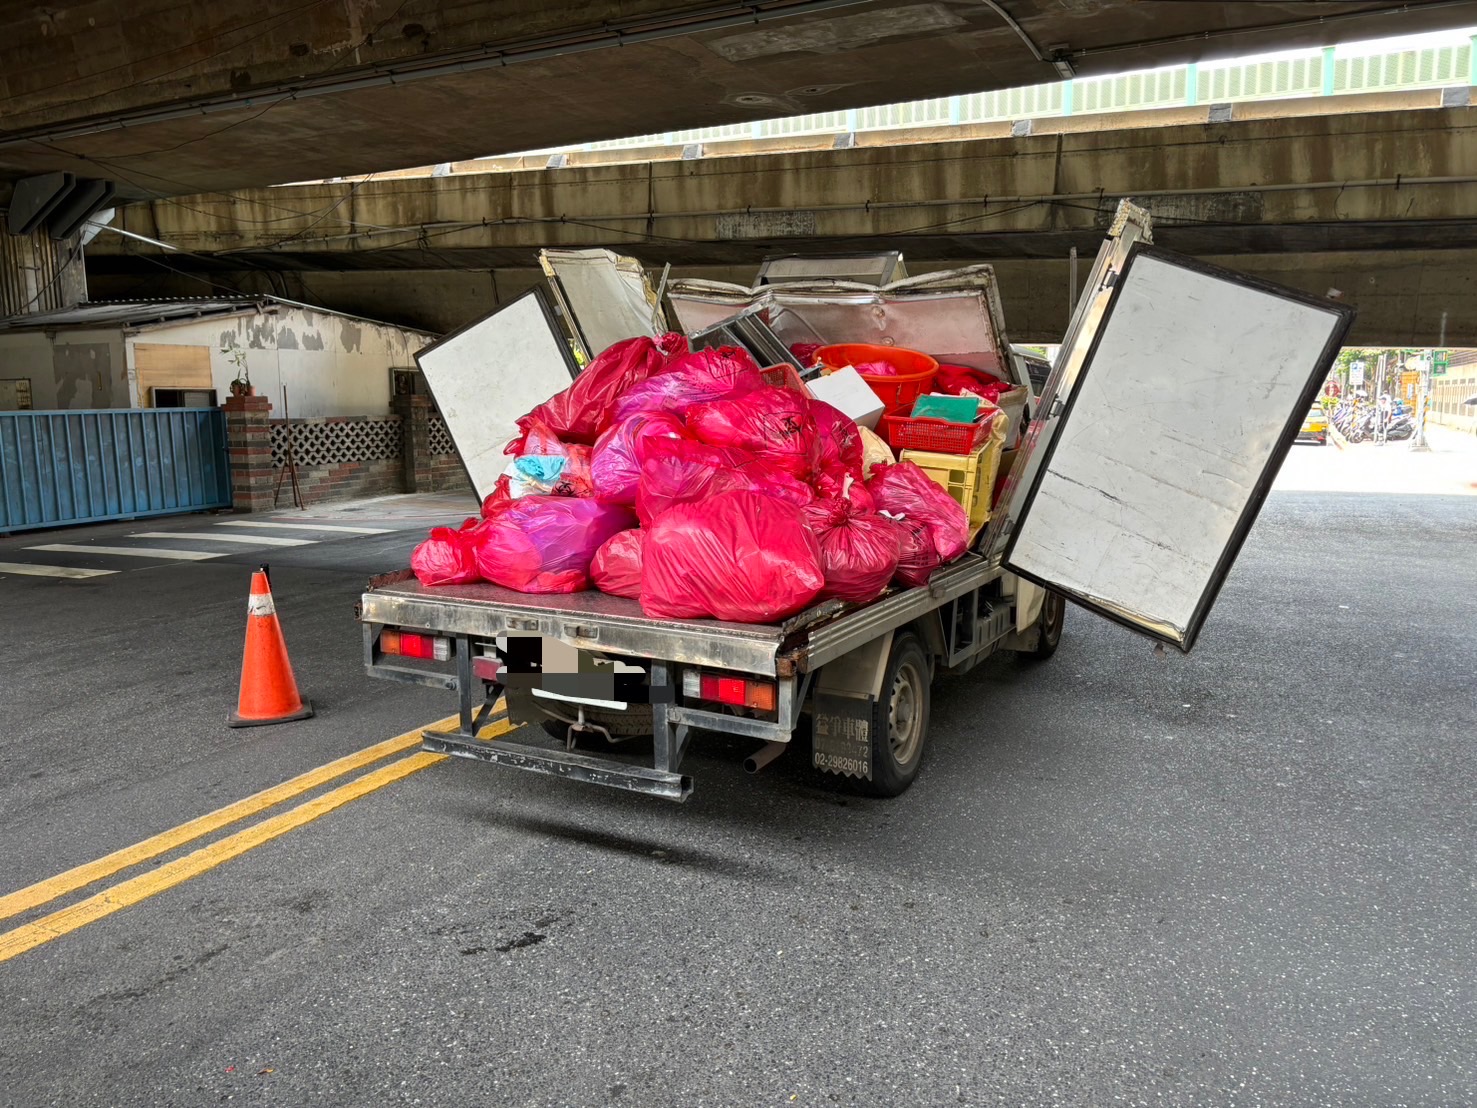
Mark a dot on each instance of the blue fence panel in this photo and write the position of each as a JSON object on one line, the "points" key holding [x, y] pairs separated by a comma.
{"points": [[58, 468]]}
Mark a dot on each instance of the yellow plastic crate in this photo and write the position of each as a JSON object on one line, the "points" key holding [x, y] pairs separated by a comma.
{"points": [[968, 478]]}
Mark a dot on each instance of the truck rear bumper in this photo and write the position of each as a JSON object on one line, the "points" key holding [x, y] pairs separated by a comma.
{"points": [[559, 763]]}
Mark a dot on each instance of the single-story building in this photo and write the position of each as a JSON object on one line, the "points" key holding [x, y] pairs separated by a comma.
{"points": [[186, 353]]}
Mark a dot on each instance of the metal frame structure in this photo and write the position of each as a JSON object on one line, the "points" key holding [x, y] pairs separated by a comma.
{"points": [[748, 330]]}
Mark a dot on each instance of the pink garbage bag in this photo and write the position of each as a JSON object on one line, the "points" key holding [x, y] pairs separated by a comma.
{"points": [[859, 552], [917, 558], [905, 490], [582, 411], [689, 379], [959, 380], [500, 499], [616, 466], [676, 471], [558, 468], [839, 439], [544, 544], [448, 557], [617, 565], [773, 424], [738, 556]]}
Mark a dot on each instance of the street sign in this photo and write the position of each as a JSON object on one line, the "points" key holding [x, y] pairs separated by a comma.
{"points": [[1440, 360], [1356, 373]]}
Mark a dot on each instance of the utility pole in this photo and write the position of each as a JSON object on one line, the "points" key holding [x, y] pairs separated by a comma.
{"points": [[1071, 282], [1423, 401], [1379, 391]]}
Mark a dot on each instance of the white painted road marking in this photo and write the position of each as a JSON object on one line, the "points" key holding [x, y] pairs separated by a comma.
{"points": [[211, 536], [130, 551], [306, 527], [51, 571]]}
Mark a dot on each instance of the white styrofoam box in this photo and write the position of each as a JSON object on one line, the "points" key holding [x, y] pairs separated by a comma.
{"points": [[845, 391]]}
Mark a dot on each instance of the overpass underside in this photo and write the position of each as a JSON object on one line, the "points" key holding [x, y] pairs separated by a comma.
{"points": [[1379, 204]]}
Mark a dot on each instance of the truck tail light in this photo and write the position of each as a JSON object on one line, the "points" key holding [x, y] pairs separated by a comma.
{"points": [[406, 644], [740, 692]]}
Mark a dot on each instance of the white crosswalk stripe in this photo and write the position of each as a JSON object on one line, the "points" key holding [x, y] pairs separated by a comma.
{"points": [[257, 534], [130, 551], [307, 527], [29, 570], [211, 536]]}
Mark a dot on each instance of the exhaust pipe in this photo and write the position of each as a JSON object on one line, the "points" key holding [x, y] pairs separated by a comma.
{"points": [[763, 756]]}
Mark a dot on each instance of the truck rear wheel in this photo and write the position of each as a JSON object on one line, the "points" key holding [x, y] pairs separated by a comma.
{"points": [[900, 719], [1050, 622]]}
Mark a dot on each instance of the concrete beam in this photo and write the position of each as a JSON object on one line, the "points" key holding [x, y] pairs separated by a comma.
{"points": [[1378, 180], [168, 97], [1382, 205], [1404, 298]]}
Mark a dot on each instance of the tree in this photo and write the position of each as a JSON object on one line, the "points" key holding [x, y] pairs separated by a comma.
{"points": [[1370, 356]]}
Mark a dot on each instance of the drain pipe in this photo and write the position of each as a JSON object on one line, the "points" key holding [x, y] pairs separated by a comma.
{"points": [[763, 756], [1061, 63]]}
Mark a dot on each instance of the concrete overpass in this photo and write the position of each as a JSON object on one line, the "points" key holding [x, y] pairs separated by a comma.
{"points": [[166, 98], [1381, 204], [155, 98]]}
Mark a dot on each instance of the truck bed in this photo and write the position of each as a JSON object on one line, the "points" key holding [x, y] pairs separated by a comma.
{"points": [[596, 621]]}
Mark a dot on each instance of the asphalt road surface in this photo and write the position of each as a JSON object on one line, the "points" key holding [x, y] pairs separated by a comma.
{"points": [[1242, 877]]}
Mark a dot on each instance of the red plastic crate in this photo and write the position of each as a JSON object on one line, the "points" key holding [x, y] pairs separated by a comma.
{"points": [[938, 435]]}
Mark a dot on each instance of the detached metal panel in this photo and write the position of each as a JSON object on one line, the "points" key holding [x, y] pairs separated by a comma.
{"points": [[59, 468]]}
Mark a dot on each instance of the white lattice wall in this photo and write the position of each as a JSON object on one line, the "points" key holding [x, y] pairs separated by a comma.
{"points": [[322, 442], [440, 438]]}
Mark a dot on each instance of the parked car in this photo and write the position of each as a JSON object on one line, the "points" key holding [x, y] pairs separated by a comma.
{"points": [[1315, 426]]}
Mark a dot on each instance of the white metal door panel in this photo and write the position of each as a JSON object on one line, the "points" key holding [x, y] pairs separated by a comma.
{"points": [[606, 294], [492, 371], [1193, 389]]}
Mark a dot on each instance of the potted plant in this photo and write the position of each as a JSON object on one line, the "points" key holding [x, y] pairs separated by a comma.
{"points": [[241, 384]]}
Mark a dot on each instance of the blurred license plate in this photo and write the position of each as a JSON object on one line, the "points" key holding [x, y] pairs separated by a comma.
{"points": [[554, 670]]}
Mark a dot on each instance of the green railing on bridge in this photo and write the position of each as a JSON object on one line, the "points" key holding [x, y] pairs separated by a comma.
{"points": [[1326, 72]]}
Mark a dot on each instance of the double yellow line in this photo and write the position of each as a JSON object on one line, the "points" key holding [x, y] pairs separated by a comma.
{"points": [[133, 890]]}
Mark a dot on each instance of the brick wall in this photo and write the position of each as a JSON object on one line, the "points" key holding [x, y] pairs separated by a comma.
{"points": [[249, 452], [447, 474], [340, 458], [345, 481]]}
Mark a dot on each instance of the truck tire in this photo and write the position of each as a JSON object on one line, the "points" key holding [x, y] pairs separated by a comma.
{"points": [[900, 718], [1053, 617]]}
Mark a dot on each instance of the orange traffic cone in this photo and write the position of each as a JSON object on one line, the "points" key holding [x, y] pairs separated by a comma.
{"points": [[268, 691]]}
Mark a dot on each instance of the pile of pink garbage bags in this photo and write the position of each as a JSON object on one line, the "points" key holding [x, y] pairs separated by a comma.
{"points": [[682, 480]]}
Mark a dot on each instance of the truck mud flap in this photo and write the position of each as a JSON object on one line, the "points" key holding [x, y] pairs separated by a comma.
{"points": [[559, 763]]}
